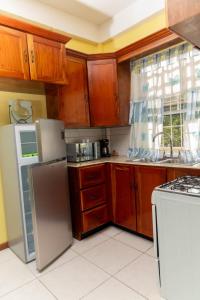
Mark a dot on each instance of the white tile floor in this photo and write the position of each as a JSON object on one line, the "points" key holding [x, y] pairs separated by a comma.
{"points": [[110, 265]]}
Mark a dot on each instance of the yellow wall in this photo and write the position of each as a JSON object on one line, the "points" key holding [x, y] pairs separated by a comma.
{"points": [[151, 25], [39, 110], [143, 29]]}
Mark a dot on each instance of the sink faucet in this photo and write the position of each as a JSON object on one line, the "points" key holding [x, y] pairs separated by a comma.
{"points": [[170, 139]]}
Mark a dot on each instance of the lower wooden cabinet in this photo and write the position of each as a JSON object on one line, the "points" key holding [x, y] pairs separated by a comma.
{"points": [[123, 196], [88, 198], [93, 196], [146, 179], [94, 218], [173, 173]]}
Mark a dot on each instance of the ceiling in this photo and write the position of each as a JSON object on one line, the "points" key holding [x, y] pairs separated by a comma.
{"points": [[95, 11]]}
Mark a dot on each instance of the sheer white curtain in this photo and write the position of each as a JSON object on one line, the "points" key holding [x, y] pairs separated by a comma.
{"points": [[156, 79]]}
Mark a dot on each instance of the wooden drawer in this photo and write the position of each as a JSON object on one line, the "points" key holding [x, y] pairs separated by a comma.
{"points": [[91, 175], [93, 196], [95, 217]]}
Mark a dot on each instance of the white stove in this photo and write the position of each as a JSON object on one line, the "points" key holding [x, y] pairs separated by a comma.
{"points": [[176, 225], [186, 185]]}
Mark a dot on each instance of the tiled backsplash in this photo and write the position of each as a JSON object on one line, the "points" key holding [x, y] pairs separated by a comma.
{"points": [[118, 137], [78, 135]]}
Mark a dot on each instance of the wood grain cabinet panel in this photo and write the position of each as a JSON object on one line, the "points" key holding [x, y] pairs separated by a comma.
{"points": [[123, 195], [14, 62], [46, 59], [73, 98], [103, 91], [173, 173], [146, 179], [92, 197], [184, 19], [91, 175], [95, 217], [88, 198]]}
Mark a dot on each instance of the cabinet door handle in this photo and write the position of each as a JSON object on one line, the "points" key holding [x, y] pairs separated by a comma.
{"points": [[25, 56], [32, 57]]}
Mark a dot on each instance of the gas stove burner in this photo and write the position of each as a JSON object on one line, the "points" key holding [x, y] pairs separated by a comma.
{"points": [[185, 184]]}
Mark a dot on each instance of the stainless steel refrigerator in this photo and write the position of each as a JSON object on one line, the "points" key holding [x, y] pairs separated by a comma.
{"points": [[35, 185]]}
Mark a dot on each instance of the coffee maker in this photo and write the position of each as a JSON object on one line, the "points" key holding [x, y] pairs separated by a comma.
{"points": [[104, 148]]}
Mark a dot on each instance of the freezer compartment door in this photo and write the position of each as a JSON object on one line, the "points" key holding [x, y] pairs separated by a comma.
{"points": [[51, 211], [50, 140]]}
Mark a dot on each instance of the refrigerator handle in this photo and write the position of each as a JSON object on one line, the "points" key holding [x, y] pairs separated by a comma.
{"points": [[155, 231]]}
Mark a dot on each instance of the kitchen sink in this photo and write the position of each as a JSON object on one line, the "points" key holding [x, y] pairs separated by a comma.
{"points": [[169, 160], [175, 161]]}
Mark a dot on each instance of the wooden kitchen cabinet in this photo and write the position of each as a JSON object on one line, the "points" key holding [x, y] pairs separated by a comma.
{"points": [[103, 92], [14, 61], [46, 59], [73, 97], [173, 173], [88, 198], [123, 196], [146, 179], [184, 19]]}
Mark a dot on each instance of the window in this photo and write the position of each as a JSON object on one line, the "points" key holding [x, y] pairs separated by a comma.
{"points": [[165, 97], [173, 122]]}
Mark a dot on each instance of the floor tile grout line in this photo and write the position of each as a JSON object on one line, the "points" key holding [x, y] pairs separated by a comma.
{"points": [[131, 288], [92, 246], [112, 275], [42, 275], [15, 289], [95, 288], [126, 244], [133, 260], [48, 289], [95, 265]]}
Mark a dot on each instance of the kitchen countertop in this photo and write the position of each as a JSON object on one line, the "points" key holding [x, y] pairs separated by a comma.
{"points": [[124, 160]]}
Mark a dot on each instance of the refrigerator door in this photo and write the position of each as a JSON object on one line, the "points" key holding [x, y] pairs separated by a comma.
{"points": [[50, 139], [51, 211]]}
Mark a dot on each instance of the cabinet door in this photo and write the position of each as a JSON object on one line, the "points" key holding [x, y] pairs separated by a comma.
{"points": [[147, 178], [74, 107], [173, 173], [46, 59], [13, 54], [123, 195], [102, 81], [184, 19]]}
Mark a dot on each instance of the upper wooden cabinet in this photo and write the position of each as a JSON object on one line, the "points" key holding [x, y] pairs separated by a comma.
{"points": [[123, 196], [73, 98], [146, 179], [46, 59], [184, 19], [13, 54], [28, 56], [103, 92]]}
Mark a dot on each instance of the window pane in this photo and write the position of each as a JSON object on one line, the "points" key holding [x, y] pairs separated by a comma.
{"points": [[166, 121], [176, 120], [166, 108], [167, 134], [176, 136], [174, 107]]}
